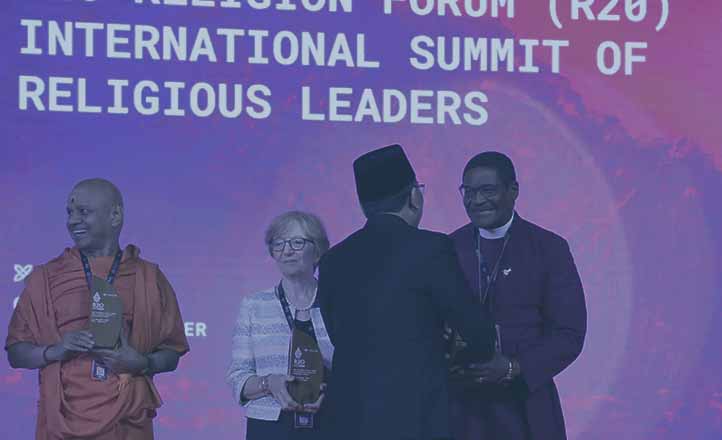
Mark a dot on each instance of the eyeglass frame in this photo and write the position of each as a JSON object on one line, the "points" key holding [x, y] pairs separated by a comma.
{"points": [[289, 240], [486, 193]]}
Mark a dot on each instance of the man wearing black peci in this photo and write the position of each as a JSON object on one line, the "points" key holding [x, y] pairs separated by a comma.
{"points": [[526, 278], [385, 292]]}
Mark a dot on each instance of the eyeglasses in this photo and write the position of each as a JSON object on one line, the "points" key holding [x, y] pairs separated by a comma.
{"points": [[487, 191], [296, 243]]}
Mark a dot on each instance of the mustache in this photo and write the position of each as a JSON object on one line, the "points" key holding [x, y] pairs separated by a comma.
{"points": [[482, 206]]}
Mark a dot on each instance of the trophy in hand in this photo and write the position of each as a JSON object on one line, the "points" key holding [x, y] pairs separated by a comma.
{"points": [[306, 366], [106, 314]]}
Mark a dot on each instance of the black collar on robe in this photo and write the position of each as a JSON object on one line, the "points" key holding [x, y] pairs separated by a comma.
{"points": [[386, 221]]}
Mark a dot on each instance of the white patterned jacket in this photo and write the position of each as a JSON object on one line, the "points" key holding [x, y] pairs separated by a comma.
{"points": [[260, 343]]}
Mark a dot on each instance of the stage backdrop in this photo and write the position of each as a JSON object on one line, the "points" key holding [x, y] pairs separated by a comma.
{"points": [[213, 116]]}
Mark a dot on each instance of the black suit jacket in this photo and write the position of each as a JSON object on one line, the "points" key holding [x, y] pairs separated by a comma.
{"points": [[540, 307], [385, 292]]}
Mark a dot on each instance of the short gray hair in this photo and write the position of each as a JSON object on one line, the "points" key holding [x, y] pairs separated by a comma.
{"points": [[310, 223]]}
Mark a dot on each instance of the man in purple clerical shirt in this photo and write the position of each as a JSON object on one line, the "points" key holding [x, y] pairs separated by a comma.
{"points": [[526, 278]]}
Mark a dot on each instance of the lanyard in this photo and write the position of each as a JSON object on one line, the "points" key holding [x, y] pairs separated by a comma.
{"points": [[284, 303], [111, 274], [281, 294], [490, 278]]}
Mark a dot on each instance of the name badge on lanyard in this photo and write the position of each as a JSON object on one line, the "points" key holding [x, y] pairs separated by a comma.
{"points": [[98, 371], [302, 420]]}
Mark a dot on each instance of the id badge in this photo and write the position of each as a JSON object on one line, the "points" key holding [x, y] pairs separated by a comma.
{"points": [[98, 371], [302, 420]]}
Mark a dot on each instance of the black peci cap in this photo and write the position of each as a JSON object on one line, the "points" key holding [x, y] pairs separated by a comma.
{"points": [[382, 173]]}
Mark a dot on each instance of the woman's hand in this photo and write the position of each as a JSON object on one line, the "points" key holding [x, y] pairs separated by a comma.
{"points": [[279, 391], [316, 406]]}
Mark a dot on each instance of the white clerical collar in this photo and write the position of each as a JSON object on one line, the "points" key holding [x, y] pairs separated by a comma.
{"points": [[495, 234]]}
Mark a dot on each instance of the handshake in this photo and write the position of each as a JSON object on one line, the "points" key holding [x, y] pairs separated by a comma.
{"points": [[456, 356], [464, 372]]}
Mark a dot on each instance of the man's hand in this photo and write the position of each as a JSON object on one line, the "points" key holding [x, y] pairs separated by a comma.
{"points": [[125, 359], [73, 343], [493, 371]]}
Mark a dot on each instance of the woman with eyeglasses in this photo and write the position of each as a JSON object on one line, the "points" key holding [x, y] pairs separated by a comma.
{"points": [[259, 368]]}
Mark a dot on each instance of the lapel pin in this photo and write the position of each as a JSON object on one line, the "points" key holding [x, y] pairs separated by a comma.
{"points": [[507, 272]]}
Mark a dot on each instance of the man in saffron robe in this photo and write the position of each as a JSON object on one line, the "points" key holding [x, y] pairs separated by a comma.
{"points": [[49, 329]]}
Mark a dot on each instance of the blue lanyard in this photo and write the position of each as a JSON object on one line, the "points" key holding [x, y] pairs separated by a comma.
{"points": [[281, 294], [113, 269], [286, 308]]}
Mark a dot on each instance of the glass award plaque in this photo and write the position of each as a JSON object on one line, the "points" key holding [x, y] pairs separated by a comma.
{"points": [[106, 313], [306, 365]]}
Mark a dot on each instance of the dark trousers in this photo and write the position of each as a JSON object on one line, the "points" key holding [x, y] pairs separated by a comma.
{"points": [[489, 412], [282, 429]]}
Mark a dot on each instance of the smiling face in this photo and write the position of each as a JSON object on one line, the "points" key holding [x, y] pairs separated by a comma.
{"points": [[488, 201], [295, 262], [94, 218]]}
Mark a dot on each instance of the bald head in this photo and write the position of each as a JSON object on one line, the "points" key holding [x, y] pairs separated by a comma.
{"points": [[95, 216], [104, 188]]}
